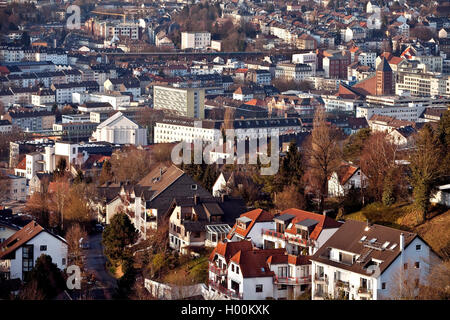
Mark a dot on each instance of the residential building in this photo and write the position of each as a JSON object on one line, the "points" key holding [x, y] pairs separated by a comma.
{"points": [[188, 102], [347, 177], [369, 262], [198, 222], [293, 72], [18, 253]]}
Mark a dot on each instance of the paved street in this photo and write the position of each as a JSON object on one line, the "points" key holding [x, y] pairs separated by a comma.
{"points": [[95, 263]]}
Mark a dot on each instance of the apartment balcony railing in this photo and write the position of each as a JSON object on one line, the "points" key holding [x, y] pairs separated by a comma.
{"points": [[228, 292], [282, 236], [321, 278], [342, 284], [216, 270], [273, 233], [292, 280], [364, 291]]}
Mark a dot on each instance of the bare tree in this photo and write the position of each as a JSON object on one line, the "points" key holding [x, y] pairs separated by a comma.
{"points": [[324, 153], [73, 237], [289, 198], [377, 159]]}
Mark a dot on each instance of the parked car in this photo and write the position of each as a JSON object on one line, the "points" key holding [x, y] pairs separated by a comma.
{"points": [[84, 244]]}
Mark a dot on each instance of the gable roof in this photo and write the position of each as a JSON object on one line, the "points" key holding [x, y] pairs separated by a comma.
{"points": [[229, 249], [114, 119], [21, 237], [349, 238], [257, 215]]}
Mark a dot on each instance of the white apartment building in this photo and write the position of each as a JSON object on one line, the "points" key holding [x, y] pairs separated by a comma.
{"points": [[293, 72], [370, 262], [306, 58], [432, 63], [367, 59], [116, 100], [195, 40], [18, 253], [43, 97], [422, 84], [173, 129], [337, 104], [399, 107], [187, 102]]}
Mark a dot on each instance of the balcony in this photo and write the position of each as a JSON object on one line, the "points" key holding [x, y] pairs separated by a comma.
{"points": [[273, 233], [292, 280], [228, 292], [321, 278], [363, 291], [216, 270], [342, 284]]}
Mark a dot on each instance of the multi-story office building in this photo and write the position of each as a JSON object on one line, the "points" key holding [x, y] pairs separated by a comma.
{"points": [[187, 102], [195, 40]]}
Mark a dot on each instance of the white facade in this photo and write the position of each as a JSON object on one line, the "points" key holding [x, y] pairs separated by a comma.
{"points": [[376, 287], [118, 129], [195, 40], [43, 243], [336, 189]]}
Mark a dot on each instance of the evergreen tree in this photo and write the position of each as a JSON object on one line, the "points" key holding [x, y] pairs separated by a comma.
{"points": [[426, 168], [47, 276], [117, 235]]}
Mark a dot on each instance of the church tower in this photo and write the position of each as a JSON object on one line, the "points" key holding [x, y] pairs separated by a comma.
{"points": [[384, 75]]}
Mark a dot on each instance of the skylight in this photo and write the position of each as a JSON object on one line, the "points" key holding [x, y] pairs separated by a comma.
{"points": [[363, 238], [385, 245], [393, 246], [373, 240]]}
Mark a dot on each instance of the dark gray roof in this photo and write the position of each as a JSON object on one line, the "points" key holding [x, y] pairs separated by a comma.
{"points": [[308, 223]]}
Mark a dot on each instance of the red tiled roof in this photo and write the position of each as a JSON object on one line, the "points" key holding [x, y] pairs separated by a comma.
{"points": [[229, 249], [19, 238], [345, 172], [257, 215], [254, 263], [22, 164]]}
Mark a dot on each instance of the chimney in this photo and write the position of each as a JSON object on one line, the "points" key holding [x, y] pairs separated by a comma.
{"points": [[196, 199], [223, 197], [402, 241]]}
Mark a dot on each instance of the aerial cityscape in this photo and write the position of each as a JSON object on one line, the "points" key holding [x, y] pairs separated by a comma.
{"points": [[224, 150]]}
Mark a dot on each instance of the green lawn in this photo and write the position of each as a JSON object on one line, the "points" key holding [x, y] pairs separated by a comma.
{"points": [[193, 271], [385, 215]]}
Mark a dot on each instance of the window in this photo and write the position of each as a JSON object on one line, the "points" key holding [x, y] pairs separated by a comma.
{"points": [[232, 267], [237, 269], [417, 265], [282, 287], [418, 247], [259, 288], [193, 187], [63, 261], [383, 285], [405, 266], [43, 248]]}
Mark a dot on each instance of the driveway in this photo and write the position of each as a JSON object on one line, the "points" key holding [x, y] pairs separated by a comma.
{"points": [[96, 263]]}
